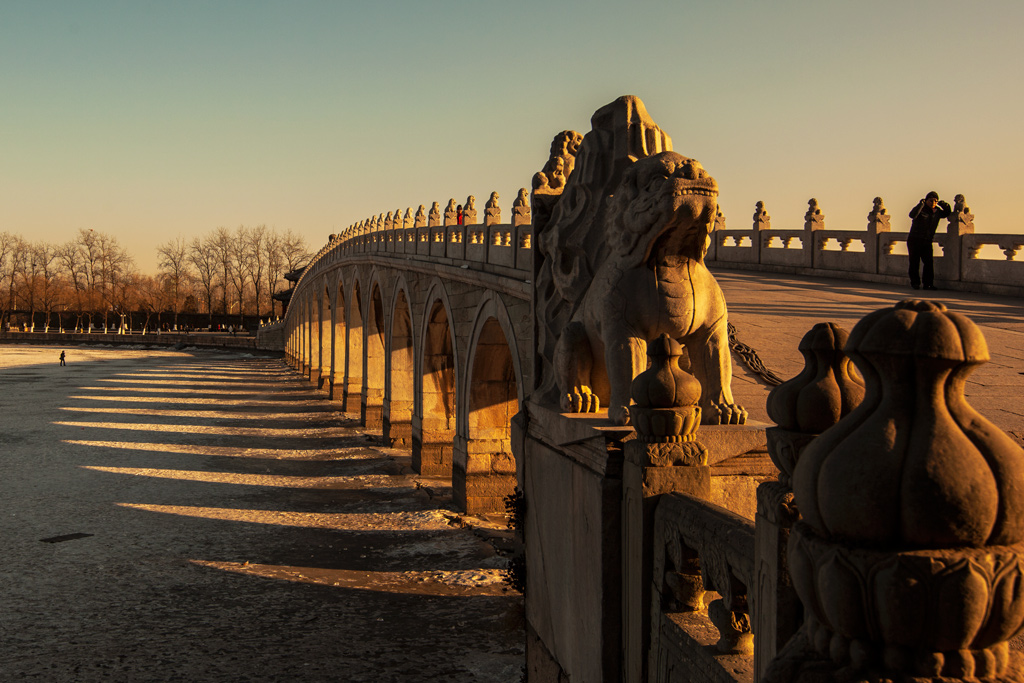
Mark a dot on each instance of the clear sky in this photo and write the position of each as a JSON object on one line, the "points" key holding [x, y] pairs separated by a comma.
{"points": [[150, 119]]}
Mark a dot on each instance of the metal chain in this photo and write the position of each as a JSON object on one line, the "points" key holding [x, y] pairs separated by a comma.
{"points": [[750, 358]]}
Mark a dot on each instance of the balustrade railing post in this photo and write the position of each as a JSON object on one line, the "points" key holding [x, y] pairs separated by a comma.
{"points": [[803, 407], [664, 458], [814, 224], [761, 228]]}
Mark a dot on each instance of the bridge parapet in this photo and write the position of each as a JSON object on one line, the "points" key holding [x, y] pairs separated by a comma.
{"points": [[966, 261]]}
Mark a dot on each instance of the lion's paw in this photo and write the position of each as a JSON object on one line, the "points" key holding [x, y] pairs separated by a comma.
{"points": [[581, 400], [724, 414], [619, 415]]}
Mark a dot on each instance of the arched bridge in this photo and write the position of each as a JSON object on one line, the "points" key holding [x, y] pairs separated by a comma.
{"points": [[424, 332]]}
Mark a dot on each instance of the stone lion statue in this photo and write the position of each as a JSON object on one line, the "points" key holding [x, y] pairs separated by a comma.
{"points": [[621, 262]]}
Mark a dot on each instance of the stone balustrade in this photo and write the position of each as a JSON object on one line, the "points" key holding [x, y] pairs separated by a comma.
{"points": [[505, 249], [701, 547], [870, 254]]}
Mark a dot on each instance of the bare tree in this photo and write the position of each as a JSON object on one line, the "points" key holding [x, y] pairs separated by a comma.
{"points": [[175, 271], [46, 267], [256, 260], [11, 247], [204, 259], [294, 251], [220, 242], [71, 264], [274, 265]]}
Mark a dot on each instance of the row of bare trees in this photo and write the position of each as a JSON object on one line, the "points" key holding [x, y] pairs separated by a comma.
{"points": [[93, 277]]}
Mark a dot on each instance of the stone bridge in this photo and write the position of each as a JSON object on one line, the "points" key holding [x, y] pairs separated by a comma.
{"points": [[424, 332], [441, 334]]}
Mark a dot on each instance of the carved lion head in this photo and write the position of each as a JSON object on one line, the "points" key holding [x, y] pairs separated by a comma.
{"points": [[666, 202]]}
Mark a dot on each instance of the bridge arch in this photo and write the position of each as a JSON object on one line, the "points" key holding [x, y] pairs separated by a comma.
{"points": [[309, 332], [372, 408], [353, 399], [314, 324], [399, 394], [325, 331], [339, 345], [484, 468], [435, 413]]}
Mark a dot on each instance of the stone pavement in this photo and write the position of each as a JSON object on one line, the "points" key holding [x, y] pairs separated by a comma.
{"points": [[772, 312], [204, 516]]}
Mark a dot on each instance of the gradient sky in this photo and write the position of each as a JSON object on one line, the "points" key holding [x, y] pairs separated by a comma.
{"points": [[150, 120]]}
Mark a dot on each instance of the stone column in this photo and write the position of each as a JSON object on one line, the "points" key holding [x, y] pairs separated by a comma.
{"points": [[664, 458]]}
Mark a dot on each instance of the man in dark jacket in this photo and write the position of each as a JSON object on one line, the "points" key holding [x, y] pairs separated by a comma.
{"points": [[926, 216]]}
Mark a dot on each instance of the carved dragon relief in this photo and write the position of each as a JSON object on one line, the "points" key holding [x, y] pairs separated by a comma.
{"points": [[620, 262]]}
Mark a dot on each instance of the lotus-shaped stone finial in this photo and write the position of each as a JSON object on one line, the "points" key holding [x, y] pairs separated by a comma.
{"points": [[827, 389], [910, 554], [665, 396], [914, 465]]}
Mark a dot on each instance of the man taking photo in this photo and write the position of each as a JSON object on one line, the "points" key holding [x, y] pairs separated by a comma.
{"points": [[925, 219]]}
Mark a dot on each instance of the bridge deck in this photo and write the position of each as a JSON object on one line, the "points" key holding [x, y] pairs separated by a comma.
{"points": [[772, 312]]}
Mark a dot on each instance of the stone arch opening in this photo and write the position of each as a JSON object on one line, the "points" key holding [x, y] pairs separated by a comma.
{"points": [[372, 410], [400, 394], [433, 436], [486, 472], [311, 341], [354, 377], [326, 340], [339, 346]]}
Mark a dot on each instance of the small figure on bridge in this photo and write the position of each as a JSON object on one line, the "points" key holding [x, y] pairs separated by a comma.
{"points": [[925, 219], [62, 359], [459, 217]]}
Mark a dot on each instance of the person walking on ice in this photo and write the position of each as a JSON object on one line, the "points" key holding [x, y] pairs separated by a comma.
{"points": [[62, 358]]}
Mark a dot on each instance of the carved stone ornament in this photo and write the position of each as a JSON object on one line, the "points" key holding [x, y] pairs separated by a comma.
{"points": [[521, 208], [469, 211], [389, 221], [961, 222], [434, 217], [665, 396], [564, 147], [451, 213], [614, 274], [814, 219], [910, 557], [550, 181], [420, 220], [403, 222], [762, 221], [878, 219], [492, 212], [826, 390], [719, 220]]}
